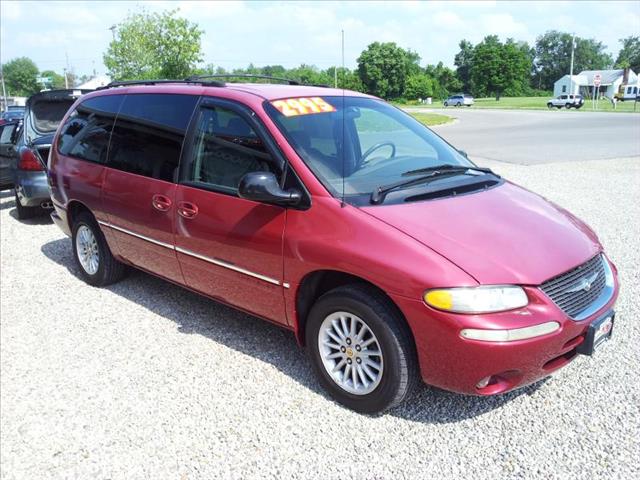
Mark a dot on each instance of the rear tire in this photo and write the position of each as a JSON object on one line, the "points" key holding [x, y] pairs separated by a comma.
{"points": [[386, 333], [26, 212], [549, 105], [97, 265], [567, 106]]}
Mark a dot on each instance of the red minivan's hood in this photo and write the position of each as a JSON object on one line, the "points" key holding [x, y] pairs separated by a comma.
{"points": [[505, 235]]}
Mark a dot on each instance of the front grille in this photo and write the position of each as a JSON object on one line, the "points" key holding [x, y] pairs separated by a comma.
{"points": [[578, 300]]}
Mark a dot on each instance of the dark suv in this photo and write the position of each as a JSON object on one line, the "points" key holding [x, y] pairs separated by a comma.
{"points": [[30, 150]]}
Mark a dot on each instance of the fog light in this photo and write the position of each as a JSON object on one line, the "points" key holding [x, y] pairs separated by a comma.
{"points": [[484, 382]]}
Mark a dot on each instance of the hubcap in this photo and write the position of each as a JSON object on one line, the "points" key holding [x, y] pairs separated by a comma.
{"points": [[350, 353], [87, 248]]}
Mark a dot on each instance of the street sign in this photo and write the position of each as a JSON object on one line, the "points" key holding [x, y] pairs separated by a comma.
{"points": [[43, 79], [597, 79]]}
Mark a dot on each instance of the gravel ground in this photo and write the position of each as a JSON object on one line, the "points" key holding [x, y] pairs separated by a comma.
{"points": [[146, 380]]}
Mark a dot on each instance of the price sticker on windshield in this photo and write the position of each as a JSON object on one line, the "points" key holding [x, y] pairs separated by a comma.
{"points": [[291, 107]]}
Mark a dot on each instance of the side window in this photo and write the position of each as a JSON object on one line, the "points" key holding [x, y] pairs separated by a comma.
{"points": [[635, 89], [6, 132], [148, 134], [564, 88], [225, 148], [86, 132]]}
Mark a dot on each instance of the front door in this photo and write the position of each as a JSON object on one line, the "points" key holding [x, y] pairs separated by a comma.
{"points": [[229, 248], [139, 186]]}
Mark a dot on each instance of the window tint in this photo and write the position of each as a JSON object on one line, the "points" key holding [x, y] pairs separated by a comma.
{"points": [[226, 148], [86, 132], [5, 133], [148, 134]]}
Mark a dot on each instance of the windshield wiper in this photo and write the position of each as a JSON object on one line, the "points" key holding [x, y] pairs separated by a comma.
{"points": [[448, 167], [379, 193]]}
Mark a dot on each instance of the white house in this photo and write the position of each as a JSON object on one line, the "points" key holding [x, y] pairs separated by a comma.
{"points": [[564, 86], [610, 81]]}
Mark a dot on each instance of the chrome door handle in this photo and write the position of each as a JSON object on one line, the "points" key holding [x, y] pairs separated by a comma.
{"points": [[161, 202], [187, 209]]}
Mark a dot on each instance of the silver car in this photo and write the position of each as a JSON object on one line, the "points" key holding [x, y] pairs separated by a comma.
{"points": [[459, 100]]}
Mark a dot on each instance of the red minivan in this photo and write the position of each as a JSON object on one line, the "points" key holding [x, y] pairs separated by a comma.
{"points": [[389, 254]]}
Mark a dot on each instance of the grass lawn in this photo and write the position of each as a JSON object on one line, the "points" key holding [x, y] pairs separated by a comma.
{"points": [[534, 103], [431, 119], [369, 122]]}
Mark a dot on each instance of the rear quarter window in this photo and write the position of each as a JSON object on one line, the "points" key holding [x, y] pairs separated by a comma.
{"points": [[85, 134], [148, 134]]}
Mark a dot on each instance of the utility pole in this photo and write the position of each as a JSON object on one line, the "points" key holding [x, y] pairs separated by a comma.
{"points": [[4, 92], [573, 46], [113, 32], [66, 81]]}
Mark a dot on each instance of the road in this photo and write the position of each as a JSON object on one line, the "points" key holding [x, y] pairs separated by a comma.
{"points": [[529, 137]]}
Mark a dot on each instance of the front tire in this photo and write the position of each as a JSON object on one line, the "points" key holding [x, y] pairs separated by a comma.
{"points": [[26, 212], [446, 104], [97, 265], [361, 349]]}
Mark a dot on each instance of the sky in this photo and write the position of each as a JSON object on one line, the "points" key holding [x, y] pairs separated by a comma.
{"points": [[55, 34]]}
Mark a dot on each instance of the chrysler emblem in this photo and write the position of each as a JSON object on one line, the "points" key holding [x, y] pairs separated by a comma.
{"points": [[582, 284]]}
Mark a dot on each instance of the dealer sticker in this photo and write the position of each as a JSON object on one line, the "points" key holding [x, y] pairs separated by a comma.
{"points": [[291, 107]]}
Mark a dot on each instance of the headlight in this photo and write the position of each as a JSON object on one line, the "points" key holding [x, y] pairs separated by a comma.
{"points": [[477, 299]]}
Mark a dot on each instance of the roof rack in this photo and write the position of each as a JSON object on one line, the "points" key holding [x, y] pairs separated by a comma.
{"points": [[243, 75], [127, 83]]}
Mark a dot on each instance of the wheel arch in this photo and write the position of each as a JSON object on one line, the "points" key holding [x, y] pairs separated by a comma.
{"points": [[74, 208], [317, 283]]}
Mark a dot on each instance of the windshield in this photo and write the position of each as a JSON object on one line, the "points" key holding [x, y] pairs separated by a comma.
{"points": [[363, 141]]}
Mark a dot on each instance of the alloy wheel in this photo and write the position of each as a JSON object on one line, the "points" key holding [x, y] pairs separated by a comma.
{"points": [[350, 353], [87, 250]]}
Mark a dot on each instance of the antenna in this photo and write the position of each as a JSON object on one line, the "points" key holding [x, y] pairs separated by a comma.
{"points": [[342, 204]]}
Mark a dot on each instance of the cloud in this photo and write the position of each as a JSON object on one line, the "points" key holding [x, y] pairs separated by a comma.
{"points": [[503, 24]]}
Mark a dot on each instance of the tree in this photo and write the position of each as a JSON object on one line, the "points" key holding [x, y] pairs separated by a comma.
{"points": [[445, 81], [463, 61], [553, 56], [629, 55], [57, 80], [154, 45], [309, 74], [418, 86], [501, 69], [20, 77], [383, 68], [347, 79]]}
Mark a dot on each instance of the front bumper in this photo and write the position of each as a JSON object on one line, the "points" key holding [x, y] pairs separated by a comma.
{"points": [[457, 364], [32, 188]]}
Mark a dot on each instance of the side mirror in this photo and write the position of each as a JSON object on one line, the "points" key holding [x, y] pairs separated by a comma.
{"points": [[264, 187]]}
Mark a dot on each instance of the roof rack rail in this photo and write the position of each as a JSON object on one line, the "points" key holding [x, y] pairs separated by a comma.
{"points": [[127, 83], [243, 75]]}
